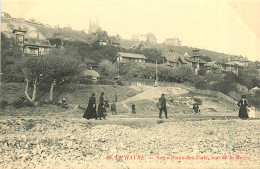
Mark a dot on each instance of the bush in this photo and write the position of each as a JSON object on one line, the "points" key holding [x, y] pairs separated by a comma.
{"points": [[202, 85], [213, 77], [9, 78], [224, 86], [3, 104], [21, 102]]}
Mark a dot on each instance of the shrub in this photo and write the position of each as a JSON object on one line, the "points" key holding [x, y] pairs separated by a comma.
{"points": [[224, 86], [213, 77], [3, 104], [21, 102], [202, 85], [8, 78]]}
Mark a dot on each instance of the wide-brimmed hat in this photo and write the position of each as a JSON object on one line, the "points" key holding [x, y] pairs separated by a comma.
{"points": [[163, 94], [102, 93]]}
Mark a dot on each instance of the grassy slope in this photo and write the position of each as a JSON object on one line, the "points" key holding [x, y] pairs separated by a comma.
{"points": [[74, 93]]}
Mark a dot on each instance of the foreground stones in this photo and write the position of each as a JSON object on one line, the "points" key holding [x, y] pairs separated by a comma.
{"points": [[178, 144]]}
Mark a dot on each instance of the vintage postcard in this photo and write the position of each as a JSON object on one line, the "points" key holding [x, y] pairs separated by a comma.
{"points": [[130, 84]]}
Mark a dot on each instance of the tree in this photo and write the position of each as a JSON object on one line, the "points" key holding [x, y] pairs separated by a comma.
{"points": [[31, 68], [57, 66], [213, 77], [10, 52], [247, 77], [206, 58], [107, 70]]}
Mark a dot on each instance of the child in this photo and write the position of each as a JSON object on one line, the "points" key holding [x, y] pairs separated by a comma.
{"points": [[133, 109], [251, 112], [113, 107]]}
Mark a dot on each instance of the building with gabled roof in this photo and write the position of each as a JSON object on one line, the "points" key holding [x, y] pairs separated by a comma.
{"points": [[123, 57], [175, 59], [36, 47], [214, 67]]}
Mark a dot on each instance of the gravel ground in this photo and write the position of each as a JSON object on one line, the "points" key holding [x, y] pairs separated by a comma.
{"points": [[79, 143]]}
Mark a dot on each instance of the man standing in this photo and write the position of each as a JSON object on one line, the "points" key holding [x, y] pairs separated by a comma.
{"points": [[162, 101]]}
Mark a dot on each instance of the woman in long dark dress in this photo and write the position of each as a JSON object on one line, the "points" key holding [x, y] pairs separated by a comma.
{"points": [[101, 107], [243, 107], [91, 109]]}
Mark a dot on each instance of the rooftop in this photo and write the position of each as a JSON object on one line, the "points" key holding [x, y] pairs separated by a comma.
{"points": [[132, 55]]}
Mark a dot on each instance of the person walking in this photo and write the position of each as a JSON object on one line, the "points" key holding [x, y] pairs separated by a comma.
{"points": [[243, 107], [91, 109], [162, 101], [113, 108], [101, 107]]}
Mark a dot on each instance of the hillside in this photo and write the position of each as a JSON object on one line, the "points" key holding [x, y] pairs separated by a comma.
{"points": [[40, 30], [215, 56]]}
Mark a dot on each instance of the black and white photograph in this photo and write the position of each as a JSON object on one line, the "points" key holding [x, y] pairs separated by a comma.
{"points": [[130, 84]]}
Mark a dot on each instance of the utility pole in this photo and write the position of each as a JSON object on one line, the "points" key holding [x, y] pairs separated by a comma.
{"points": [[156, 75], [118, 66]]}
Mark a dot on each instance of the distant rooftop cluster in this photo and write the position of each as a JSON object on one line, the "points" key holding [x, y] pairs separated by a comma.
{"points": [[147, 38], [173, 42]]}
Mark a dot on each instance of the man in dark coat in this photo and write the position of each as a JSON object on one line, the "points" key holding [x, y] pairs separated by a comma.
{"points": [[91, 109], [243, 107], [101, 107], [162, 101]]}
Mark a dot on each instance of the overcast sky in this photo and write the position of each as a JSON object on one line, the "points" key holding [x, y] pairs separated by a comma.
{"points": [[232, 27]]}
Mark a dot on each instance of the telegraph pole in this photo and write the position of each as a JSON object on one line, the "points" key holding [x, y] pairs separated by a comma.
{"points": [[156, 75]]}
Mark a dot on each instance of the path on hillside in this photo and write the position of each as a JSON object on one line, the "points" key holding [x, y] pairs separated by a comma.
{"points": [[152, 93], [180, 96]]}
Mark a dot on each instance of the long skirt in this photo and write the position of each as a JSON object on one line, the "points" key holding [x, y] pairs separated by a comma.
{"points": [[101, 110], [243, 112], [90, 112]]}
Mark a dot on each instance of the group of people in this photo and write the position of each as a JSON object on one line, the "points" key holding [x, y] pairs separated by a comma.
{"points": [[242, 104], [245, 111], [91, 111], [161, 105]]}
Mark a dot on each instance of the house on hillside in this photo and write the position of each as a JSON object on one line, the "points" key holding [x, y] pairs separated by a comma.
{"points": [[175, 59], [123, 57], [115, 40], [147, 38], [234, 64], [213, 67], [19, 35], [196, 60], [173, 42], [110, 40], [37, 47], [93, 74], [31, 46]]}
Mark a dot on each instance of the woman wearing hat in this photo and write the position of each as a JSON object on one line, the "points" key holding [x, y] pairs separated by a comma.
{"points": [[243, 107], [101, 106], [91, 109]]}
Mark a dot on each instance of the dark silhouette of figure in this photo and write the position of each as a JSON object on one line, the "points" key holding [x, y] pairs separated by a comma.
{"points": [[91, 109], [163, 107], [243, 107]]}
